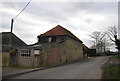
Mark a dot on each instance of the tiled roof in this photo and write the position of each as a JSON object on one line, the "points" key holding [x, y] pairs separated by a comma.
{"points": [[59, 30]]}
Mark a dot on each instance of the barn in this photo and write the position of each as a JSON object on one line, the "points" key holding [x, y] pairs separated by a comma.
{"points": [[16, 43], [54, 47]]}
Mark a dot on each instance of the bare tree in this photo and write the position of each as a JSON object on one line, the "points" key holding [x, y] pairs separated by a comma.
{"points": [[105, 44], [112, 33], [102, 41], [97, 39]]}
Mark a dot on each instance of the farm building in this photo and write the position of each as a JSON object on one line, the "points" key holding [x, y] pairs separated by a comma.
{"points": [[54, 47], [16, 43]]}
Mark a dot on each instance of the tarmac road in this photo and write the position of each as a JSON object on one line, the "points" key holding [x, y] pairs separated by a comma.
{"points": [[87, 69]]}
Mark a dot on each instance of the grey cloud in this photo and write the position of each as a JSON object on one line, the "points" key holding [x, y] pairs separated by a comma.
{"points": [[48, 11], [97, 7], [5, 26], [8, 5], [28, 37], [14, 5], [89, 20], [54, 12], [71, 26], [57, 13]]}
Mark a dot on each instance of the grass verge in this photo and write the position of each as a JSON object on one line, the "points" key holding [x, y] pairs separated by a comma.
{"points": [[115, 57], [113, 72]]}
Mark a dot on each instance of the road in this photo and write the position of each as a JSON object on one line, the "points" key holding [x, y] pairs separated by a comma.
{"points": [[87, 69]]}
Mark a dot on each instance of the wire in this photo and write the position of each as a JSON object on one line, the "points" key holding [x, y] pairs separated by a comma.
{"points": [[22, 9]]}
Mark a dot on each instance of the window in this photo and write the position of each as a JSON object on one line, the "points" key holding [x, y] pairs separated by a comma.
{"points": [[36, 52], [25, 53], [54, 39], [49, 39]]}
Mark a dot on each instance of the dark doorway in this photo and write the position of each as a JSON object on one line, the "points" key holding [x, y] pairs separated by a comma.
{"points": [[13, 58], [66, 60]]}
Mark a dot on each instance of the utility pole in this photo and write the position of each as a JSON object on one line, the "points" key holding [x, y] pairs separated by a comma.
{"points": [[12, 25], [10, 35], [10, 41]]}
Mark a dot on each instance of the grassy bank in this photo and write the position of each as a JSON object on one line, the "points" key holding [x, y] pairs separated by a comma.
{"points": [[115, 57], [112, 69], [112, 72]]}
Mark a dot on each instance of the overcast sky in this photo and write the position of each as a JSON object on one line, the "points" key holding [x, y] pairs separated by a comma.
{"points": [[81, 18]]}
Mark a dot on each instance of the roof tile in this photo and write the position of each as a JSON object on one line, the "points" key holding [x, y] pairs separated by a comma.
{"points": [[59, 30]]}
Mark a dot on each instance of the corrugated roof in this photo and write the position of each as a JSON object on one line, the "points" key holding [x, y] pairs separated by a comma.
{"points": [[15, 40], [59, 30]]}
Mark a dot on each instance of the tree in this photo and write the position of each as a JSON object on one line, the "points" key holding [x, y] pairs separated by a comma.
{"points": [[112, 34], [117, 42], [97, 39], [106, 43]]}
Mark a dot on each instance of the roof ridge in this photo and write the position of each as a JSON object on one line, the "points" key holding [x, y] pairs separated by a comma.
{"points": [[59, 30], [53, 28]]}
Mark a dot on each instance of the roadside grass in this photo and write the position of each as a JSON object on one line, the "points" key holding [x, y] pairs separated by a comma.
{"points": [[112, 72], [115, 57]]}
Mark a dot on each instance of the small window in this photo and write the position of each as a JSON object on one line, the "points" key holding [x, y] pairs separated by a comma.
{"points": [[25, 53], [49, 39], [36, 52], [53, 39]]}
